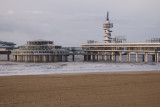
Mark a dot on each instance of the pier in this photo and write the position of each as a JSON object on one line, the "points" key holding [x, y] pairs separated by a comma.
{"points": [[73, 51], [6, 47], [114, 47], [40, 51], [93, 52], [46, 51]]}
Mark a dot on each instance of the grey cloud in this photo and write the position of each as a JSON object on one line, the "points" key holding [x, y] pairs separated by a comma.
{"points": [[73, 22]]}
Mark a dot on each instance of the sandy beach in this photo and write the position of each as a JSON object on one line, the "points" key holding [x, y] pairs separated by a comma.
{"points": [[126, 89]]}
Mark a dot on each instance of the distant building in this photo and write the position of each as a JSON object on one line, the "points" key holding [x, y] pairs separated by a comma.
{"points": [[118, 39], [6, 46], [154, 40], [40, 51], [91, 41]]}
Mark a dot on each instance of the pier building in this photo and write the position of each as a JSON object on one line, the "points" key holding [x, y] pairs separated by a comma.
{"points": [[94, 51], [6, 47], [40, 51]]}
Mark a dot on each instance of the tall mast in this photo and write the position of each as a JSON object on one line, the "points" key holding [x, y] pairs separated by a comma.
{"points": [[107, 16], [106, 26]]}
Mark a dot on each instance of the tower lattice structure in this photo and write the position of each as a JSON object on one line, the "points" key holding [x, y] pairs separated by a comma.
{"points": [[106, 26]]}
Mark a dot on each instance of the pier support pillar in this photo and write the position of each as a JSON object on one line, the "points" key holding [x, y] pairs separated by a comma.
{"points": [[85, 57], [102, 57], [72, 57], [25, 58], [143, 58], [112, 56], [66, 58], [153, 58], [38, 58], [8, 57], [128, 57], [146, 57], [22, 58], [93, 57], [60, 58], [157, 58], [89, 57], [15, 58], [29, 58], [120, 56], [19, 58], [34, 58], [50, 58], [136, 57], [105, 57], [56, 58], [98, 57], [44, 58], [63, 58]]}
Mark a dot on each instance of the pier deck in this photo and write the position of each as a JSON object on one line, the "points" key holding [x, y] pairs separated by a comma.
{"points": [[93, 51]]}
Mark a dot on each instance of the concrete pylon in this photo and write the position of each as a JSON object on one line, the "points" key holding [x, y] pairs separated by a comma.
{"points": [[112, 56], [128, 57], [146, 57], [136, 57], [157, 58], [120, 56], [105, 57]]}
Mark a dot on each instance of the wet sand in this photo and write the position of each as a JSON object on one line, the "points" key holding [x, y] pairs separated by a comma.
{"points": [[127, 89]]}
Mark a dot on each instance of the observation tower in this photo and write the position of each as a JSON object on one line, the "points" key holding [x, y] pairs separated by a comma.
{"points": [[106, 26]]}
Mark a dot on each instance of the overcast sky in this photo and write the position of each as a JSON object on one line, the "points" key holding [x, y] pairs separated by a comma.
{"points": [[72, 22]]}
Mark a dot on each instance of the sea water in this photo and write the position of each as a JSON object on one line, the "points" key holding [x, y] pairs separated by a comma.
{"points": [[8, 68]]}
